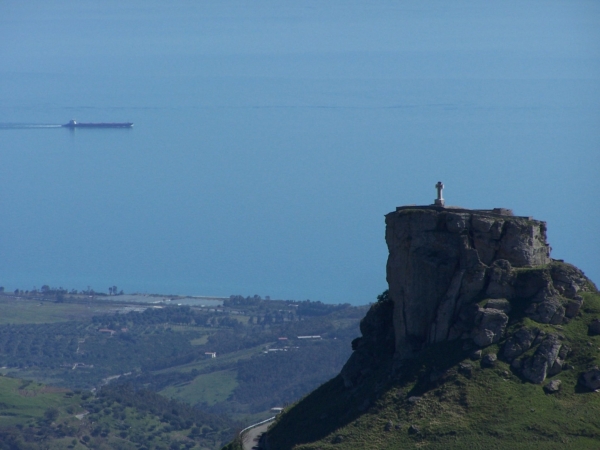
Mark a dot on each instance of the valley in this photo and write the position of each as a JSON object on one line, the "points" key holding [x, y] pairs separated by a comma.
{"points": [[232, 361]]}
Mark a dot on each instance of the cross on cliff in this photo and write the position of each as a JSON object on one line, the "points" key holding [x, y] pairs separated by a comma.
{"points": [[439, 201]]}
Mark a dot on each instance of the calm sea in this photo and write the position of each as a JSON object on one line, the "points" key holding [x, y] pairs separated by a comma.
{"points": [[271, 137]]}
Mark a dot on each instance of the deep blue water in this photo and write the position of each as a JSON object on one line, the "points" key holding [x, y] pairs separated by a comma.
{"points": [[270, 138]]}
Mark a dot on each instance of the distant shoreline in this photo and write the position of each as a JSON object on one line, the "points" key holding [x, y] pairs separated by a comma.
{"points": [[191, 300]]}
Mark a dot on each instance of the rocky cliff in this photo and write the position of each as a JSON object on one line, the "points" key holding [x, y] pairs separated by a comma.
{"points": [[461, 274], [442, 261], [476, 317]]}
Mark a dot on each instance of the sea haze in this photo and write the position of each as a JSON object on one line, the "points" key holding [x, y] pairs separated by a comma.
{"points": [[271, 137]]}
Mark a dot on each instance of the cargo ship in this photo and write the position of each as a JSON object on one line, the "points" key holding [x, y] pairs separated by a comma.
{"points": [[74, 124]]}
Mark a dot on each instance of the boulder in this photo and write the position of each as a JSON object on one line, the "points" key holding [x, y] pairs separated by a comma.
{"points": [[489, 360], [465, 369], [594, 328], [548, 311], [489, 326], [556, 367], [438, 375], [413, 429], [536, 367], [517, 364], [529, 283], [568, 280], [553, 386], [573, 306], [519, 342], [476, 355], [591, 378]]}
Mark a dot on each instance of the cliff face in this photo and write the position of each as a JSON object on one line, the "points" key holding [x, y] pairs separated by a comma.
{"points": [[441, 260], [466, 274]]}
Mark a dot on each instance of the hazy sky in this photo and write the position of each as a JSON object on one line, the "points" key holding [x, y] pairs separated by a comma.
{"points": [[271, 137]]}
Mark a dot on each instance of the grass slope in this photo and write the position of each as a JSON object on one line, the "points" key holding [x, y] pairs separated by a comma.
{"points": [[432, 403], [209, 388], [24, 310], [22, 401]]}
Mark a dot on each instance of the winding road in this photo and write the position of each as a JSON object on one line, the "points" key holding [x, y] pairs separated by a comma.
{"points": [[251, 436]]}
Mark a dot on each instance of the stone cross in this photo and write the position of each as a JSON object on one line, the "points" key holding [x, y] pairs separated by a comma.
{"points": [[439, 201]]}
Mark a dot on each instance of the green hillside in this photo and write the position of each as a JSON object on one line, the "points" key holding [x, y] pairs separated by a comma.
{"points": [[34, 416], [444, 399]]}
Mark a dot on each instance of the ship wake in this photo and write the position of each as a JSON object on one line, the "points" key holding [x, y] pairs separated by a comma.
{"points": [[16, 126]]}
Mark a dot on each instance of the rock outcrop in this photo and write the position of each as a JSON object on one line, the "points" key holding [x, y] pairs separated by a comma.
{"points": [[462, 274], [442, 260]]}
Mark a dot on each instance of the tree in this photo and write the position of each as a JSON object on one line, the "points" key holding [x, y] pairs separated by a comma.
{"points": [[384, 296], [51, 414]]}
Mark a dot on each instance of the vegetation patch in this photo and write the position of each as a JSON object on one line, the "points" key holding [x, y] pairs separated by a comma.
{"points": [[119, 417], [208, 389]]}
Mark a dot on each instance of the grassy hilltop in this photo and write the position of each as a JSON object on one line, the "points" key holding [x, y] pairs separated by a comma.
{"points": [[443, 399]]}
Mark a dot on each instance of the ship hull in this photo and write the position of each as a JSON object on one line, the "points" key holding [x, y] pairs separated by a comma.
{"points": [[99, 125]]}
